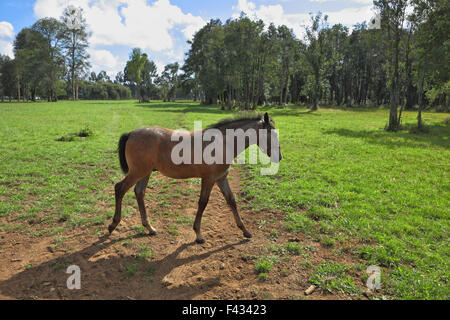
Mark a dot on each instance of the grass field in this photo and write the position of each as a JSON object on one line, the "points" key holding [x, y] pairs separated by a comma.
{"points": [[381, 197]]}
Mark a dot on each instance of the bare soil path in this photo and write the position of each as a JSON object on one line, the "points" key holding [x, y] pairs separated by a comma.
{"points": [[131, 265]]}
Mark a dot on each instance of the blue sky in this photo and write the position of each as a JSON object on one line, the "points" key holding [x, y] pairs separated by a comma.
{"points": [[162, 27]]}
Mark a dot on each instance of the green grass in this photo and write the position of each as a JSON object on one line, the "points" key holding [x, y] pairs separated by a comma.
{"points": [[131, 269], [333, 278], [262, 276], [145, 253], [173, 229], [50, 184], [343, 175], [293, 248], [343, 179], [264, 265]]}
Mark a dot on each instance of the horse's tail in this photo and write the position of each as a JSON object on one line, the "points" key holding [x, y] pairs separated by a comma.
{"points": [[123, 161]]}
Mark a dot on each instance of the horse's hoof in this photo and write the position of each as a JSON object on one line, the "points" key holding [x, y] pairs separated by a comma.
{"points": [[200, 241], [153, 233], [111, 229], [247, 234]]}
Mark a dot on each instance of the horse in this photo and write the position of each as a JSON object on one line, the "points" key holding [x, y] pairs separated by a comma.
{"points": [[146, 150]]}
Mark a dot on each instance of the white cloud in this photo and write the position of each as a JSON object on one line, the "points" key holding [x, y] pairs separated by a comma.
{"points": [[6, 38], [273, 14], [350, 16], [105, 60], [160, 66], [297, 21], [6, 29], [355, 1], [131, 23]]}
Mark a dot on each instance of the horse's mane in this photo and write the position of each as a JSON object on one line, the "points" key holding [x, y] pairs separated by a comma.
{"points": [[244, 117]]}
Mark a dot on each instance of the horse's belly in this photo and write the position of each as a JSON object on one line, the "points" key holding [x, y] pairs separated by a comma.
{"points": [[180, 172], [186, 171]]}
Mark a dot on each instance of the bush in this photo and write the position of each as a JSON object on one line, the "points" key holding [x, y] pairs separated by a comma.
{"points": [[85, 132], [104, 91]]}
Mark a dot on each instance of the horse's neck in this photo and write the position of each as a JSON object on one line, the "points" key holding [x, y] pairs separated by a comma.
{"points": [[235, 147]]}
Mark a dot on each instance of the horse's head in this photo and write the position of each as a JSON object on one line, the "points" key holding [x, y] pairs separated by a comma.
{"points": [[271, 147]]}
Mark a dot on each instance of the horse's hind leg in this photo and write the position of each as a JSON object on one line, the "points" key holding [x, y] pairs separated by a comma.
{"points": [[229, 197], [121, 188], [139, 191]]}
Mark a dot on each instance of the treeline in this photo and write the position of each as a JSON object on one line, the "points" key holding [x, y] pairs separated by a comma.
{"points": [[398, 60], [51, 62], [103, 91]]}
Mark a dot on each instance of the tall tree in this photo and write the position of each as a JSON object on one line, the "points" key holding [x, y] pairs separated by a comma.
{"points": [[7, 77], [140, 72], [149, 73], [52, 61], [315, 52], [75, 42], [168, 81], [432, 21], [30, 54], [393, 15]]}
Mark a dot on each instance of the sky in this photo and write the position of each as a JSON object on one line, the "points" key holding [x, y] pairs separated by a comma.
{"points": [[162, 27]]}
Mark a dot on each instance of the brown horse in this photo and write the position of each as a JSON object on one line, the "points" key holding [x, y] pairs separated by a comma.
{"points": [[150, 149]]}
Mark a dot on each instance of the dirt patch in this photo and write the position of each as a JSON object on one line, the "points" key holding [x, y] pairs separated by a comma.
{"points": [[132, 265]]}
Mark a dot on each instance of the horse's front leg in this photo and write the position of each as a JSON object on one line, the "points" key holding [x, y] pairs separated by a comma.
{"points": [[207, 186], [229, 197]]}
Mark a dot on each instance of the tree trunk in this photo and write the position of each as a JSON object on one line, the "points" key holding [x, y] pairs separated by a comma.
{"points": [[229, 98], [73, 86], [18, 90], [316, 93], [419, 115], [393, 119], [286, 88]]}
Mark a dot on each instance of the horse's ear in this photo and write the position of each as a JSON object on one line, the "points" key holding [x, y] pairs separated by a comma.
{"points": [[266, 118]]}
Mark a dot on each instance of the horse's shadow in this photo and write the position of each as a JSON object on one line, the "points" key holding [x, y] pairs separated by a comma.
{"points": [[110, 277]]}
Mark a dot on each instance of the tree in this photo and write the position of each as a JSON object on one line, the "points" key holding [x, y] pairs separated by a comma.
{"points": [[149, 73], [315, 52], [103, 77], [120, 78], [168, 81], [75, 42], [52, 61], [31, 56], [7, 77], [393, 14], [203, 61], [3, 60], [431, 20], [288, 49], [140, 72]]}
